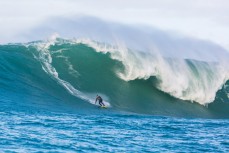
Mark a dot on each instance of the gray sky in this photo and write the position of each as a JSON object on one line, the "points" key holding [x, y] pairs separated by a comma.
{"points": [[205, 19]]}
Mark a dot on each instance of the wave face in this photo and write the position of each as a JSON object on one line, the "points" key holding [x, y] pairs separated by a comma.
{"points": [[128, 80]]}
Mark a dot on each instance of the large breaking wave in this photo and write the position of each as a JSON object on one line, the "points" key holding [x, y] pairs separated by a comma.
{"points": [[133, 71]]}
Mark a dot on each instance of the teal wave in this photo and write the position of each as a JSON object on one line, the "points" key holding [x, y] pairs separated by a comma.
{"points": [[81, 72]]}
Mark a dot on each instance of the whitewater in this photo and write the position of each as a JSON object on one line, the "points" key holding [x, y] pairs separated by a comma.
{"points": [[165, 92]]}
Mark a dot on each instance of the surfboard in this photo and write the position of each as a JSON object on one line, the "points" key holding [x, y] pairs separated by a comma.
{"points": [[103, 106]]}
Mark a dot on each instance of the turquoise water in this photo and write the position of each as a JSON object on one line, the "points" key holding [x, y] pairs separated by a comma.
{"points": [[47, 102]]}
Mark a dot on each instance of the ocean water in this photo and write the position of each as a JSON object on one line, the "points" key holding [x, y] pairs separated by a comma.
{"points": [[105, 131], [155, 104]]}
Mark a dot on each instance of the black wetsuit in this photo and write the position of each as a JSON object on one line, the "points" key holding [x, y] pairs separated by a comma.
{"points": [[100, 101]]}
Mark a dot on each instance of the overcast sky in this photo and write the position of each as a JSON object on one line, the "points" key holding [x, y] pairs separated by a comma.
{"points": [[205, 19]]}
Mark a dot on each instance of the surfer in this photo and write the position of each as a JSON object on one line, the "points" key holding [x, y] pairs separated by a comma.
{"points": [[98, 98]]}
